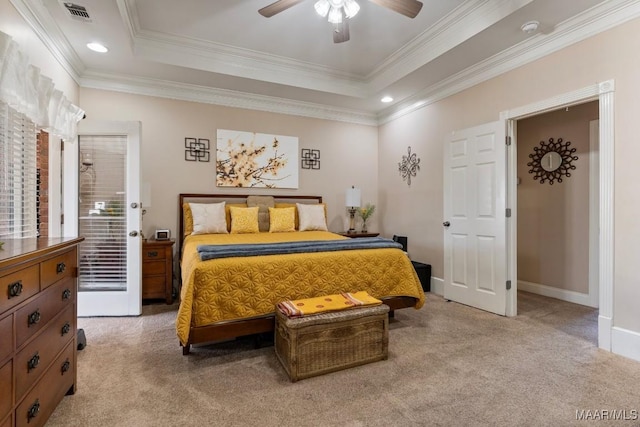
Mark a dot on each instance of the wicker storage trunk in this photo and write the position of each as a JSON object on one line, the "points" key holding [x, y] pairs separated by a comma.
{"points": [[328, 342]]}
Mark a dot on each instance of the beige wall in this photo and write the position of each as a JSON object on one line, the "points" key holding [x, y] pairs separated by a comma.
{"points": [[12, 23], [553, 220], [418, 211], [348, 152]]}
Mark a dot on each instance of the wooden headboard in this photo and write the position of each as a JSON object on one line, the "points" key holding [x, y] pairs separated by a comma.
{"points": [[229, 198]]}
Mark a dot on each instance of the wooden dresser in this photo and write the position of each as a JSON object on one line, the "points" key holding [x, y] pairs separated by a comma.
{"points": [[38, 333], [157, 269]]}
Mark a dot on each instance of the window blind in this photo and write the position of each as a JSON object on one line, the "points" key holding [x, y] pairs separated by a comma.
{"points": [[102, 213], [17, 174]]}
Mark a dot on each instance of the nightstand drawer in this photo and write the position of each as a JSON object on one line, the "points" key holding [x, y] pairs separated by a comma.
{"points": [[19, 286], [154, 287], [153, 253], [153, 268]]}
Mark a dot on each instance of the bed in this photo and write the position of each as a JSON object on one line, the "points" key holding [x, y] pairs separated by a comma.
{"points": [[228, 297]]}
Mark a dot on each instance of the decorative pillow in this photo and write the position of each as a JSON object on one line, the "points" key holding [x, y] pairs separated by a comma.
{"points": [[282, 220], [187, 219], [208, 218], [244, 220], [263, 203], [311, 217]]}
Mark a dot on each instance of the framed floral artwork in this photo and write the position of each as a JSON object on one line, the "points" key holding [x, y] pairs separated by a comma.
{"points": [[247, 159]]}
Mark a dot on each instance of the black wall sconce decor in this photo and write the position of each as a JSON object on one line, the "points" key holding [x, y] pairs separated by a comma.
{"points": [[552, 160], [196, 150], [310, 159], [409, 166]]}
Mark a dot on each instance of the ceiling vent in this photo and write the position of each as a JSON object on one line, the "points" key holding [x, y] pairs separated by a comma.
{"points": [[77, 12]]}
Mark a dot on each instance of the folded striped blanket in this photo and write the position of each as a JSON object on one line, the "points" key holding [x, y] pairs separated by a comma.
{"points": [[255, 249], [317, 305]]}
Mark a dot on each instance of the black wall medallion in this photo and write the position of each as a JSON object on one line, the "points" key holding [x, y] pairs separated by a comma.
{"points": [[196, 150], [552, 160], [310, 159], [409, 166]]}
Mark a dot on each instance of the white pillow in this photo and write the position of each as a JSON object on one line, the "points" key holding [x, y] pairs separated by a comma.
{"points": [[209, 218], [311, 217]]}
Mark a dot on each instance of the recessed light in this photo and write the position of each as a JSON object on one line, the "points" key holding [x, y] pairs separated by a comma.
{"points": [[97, 47], [386, 99]]}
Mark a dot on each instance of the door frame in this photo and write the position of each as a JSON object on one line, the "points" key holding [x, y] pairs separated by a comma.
{"points": [[603, 92], [110, 303]]}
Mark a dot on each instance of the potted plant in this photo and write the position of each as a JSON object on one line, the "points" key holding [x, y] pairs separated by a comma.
{"points": [[365, 213]]}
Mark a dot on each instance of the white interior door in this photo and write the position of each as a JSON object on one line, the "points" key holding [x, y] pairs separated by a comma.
{"points": [[109, 218], [474, 217]]}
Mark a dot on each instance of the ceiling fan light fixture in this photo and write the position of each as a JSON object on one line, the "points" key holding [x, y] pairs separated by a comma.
{"points": [[335, 15], [322, 7], [351, 8]]}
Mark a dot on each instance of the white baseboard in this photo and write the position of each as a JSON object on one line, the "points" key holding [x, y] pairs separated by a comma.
{"points": [[550, 291], [625, 343], [604, 332], [437, 286]]}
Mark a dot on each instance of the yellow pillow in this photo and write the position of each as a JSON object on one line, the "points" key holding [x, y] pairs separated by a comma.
{"points": [[188, 216], [297, 218], [244, 220], [282, 220]]}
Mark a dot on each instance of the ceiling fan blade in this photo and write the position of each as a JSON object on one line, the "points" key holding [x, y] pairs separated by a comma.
{"points": [[409, 8], [277, 7], [341, 31]]}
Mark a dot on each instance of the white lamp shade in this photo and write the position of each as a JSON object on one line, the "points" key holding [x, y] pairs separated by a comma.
{"points": [[352, 199]]}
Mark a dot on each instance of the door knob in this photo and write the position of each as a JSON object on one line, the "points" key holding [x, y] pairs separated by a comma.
{"points": [[133, 233], [446, 223]]}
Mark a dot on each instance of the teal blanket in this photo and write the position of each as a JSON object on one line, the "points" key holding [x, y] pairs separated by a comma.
{"points": [[255, 249]]}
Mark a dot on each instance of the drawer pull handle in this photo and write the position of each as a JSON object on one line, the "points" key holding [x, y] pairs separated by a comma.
{"points": [[34, 318], [60, 267], [65, 329], [33, 362], [65, 366], [152, 254], [66, 294], [33, 410], [15, 289]]}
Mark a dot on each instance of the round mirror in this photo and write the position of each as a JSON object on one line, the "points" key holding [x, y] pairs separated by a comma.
{"points": [[551, 161]]}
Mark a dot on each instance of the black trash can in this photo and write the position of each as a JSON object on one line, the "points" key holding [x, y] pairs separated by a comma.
{"points": [[424, 274]]}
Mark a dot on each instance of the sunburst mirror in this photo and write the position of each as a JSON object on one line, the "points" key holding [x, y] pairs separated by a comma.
{"points": [[552, 160]]}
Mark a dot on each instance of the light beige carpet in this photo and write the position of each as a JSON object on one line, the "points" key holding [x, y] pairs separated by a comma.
{"points": [[449, 365]]}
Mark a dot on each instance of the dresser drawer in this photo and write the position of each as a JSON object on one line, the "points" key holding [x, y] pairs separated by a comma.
{"points": [[35, 315], [17, 287], [40, 402], [6, 337], [59, 267], [154, 287], [8, 422], [154, 268], [32, 360], [6, 385]]}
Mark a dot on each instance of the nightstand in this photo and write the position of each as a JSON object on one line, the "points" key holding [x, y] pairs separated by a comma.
{"points": [[157, 269], [358, 234]]}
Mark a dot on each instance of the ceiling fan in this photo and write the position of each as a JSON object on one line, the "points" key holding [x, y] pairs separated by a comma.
{"points": [[339, 11]]}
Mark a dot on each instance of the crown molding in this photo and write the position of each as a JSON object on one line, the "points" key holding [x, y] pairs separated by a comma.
{"points": [[229, 98], [42, 23], [232, 60], [464, 22], [600, 18]]}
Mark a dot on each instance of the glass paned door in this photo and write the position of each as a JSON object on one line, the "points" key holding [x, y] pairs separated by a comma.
{"points": [[109, 218]]}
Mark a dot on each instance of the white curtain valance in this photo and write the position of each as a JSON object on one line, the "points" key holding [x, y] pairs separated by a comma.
{"points": [[25, 89]]}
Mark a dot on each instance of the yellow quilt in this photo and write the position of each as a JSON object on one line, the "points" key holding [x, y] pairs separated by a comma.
{"points": [[243, 287]]}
